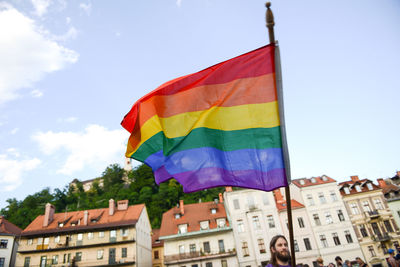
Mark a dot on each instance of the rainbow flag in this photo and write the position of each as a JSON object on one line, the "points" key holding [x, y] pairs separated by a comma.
{"points": [[216, 127]]}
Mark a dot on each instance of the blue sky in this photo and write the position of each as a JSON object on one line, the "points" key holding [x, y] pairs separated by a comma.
{"points": [[70, 71]]}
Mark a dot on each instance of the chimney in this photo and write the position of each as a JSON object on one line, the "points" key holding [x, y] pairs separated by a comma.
{"points": [[122, 204], [354, 178], [278, 196], [228, 188], [221, 200], [48, 214], [181, 206], [85, 217], [381, 183], [111, 207]]}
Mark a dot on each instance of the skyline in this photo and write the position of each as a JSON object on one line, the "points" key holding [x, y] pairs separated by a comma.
{"points": [[71, 70]]}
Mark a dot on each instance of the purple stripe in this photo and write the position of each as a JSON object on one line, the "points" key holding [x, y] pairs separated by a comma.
{"points": [[213, 177]]}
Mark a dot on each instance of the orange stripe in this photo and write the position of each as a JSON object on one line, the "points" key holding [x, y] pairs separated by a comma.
{"points": [[238, 92]]}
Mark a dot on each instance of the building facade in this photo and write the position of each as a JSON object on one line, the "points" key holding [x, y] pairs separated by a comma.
{"points": [[391, 192], [8, 242], [157, 249], [373, 222], [330, 221], [114, 236], [255, 221], [198, 235]]}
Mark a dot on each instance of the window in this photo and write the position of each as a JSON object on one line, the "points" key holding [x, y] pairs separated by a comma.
{"points": [[307, 243], [310, 200], [240, 226], [206, 247], [271, 222], [90, 235], [372, 251], [100, 254], [358, 188], [261, 245], [336, 239], [348, 237], [125, 232], [346, 190], [245, 249], [192, 248], [328, 218], [213, 211], [313, 180], [302, 182], [366, 206], [181, 249], [354, 208], [224, 263], [27, 261], [182, 228], [322, 198], [43, 261], [30, 241], [265, 199], [301, 222], [221, 246], [40, 240], [250, 202], [363, 230], [324, 178], [78, 256], [208, 264], [236, 204], [296, 246], [333, 196], [204, 225], [124, 252], [378, 204], [80, 236], [388, 226], [156, 254], [256, 223], [221, 222], [316, 219], [101, 234], [324, 242], [54, 259], [3, 243], [177, 216], [340, 215], [46, 240], [369, 185], [57, 239]]}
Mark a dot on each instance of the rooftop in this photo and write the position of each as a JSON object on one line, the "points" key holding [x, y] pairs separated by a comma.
{"points": [[305, 182], [8, 228]]}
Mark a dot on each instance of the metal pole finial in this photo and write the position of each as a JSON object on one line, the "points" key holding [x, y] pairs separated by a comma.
{"points": [[269, 17]]}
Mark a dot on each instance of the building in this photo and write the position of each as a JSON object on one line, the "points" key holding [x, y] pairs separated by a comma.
{"points": [[330, 221], [255, 221], [391, 192], [198, 235], [373, 222], [157, 249], [114, 236], [305, 246], [8, 242]]}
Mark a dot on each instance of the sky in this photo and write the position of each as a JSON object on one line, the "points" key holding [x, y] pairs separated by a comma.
{"points": [[70, 71]]}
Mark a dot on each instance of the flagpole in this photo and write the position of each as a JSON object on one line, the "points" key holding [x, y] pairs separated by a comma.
{"points": [[278, 72]]}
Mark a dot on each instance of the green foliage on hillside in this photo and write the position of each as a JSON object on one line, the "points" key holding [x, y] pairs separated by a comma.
{"points": [[138, 186]]}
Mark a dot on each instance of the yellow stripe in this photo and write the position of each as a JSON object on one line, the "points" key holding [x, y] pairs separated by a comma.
{"points": [[263, 115]]}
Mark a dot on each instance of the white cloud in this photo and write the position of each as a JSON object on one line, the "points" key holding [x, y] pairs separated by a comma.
{"points": [[94, 148], [69, 120], [179, 3], [12, 170], [27, 53], [36, 93], [68, 20], [86, 7], [69, 35], [14, 131], [40, 6]]}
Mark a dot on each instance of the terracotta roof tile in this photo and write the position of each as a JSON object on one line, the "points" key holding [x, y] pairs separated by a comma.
{"points": [[390, 188], [351, 185], [193, 215], [155, 242], [8, 228], [304, 182], [283, 206], [119, 218]]}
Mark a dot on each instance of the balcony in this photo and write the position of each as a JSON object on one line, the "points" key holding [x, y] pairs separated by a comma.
{"points": [[381, 238], [373, 214], [197, 255]]}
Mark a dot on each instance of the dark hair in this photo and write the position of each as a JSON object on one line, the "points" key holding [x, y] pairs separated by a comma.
{"points": [[338, 258], [272, 245]]}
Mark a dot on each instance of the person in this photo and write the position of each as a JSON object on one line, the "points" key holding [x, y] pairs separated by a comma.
{"points": [[280, 255], [391, 260], [339, 262], [331, 264], [360, 262], [320, 262], [347, 263]]}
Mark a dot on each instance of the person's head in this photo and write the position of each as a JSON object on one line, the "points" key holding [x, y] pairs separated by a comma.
{"points": [[331, 264], [391, 251], [338, 260], [359, 261], [348, 263], [279, 251], [320, 261]]}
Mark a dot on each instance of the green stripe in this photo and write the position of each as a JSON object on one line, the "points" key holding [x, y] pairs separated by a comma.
{"points": [[257, 138]]}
